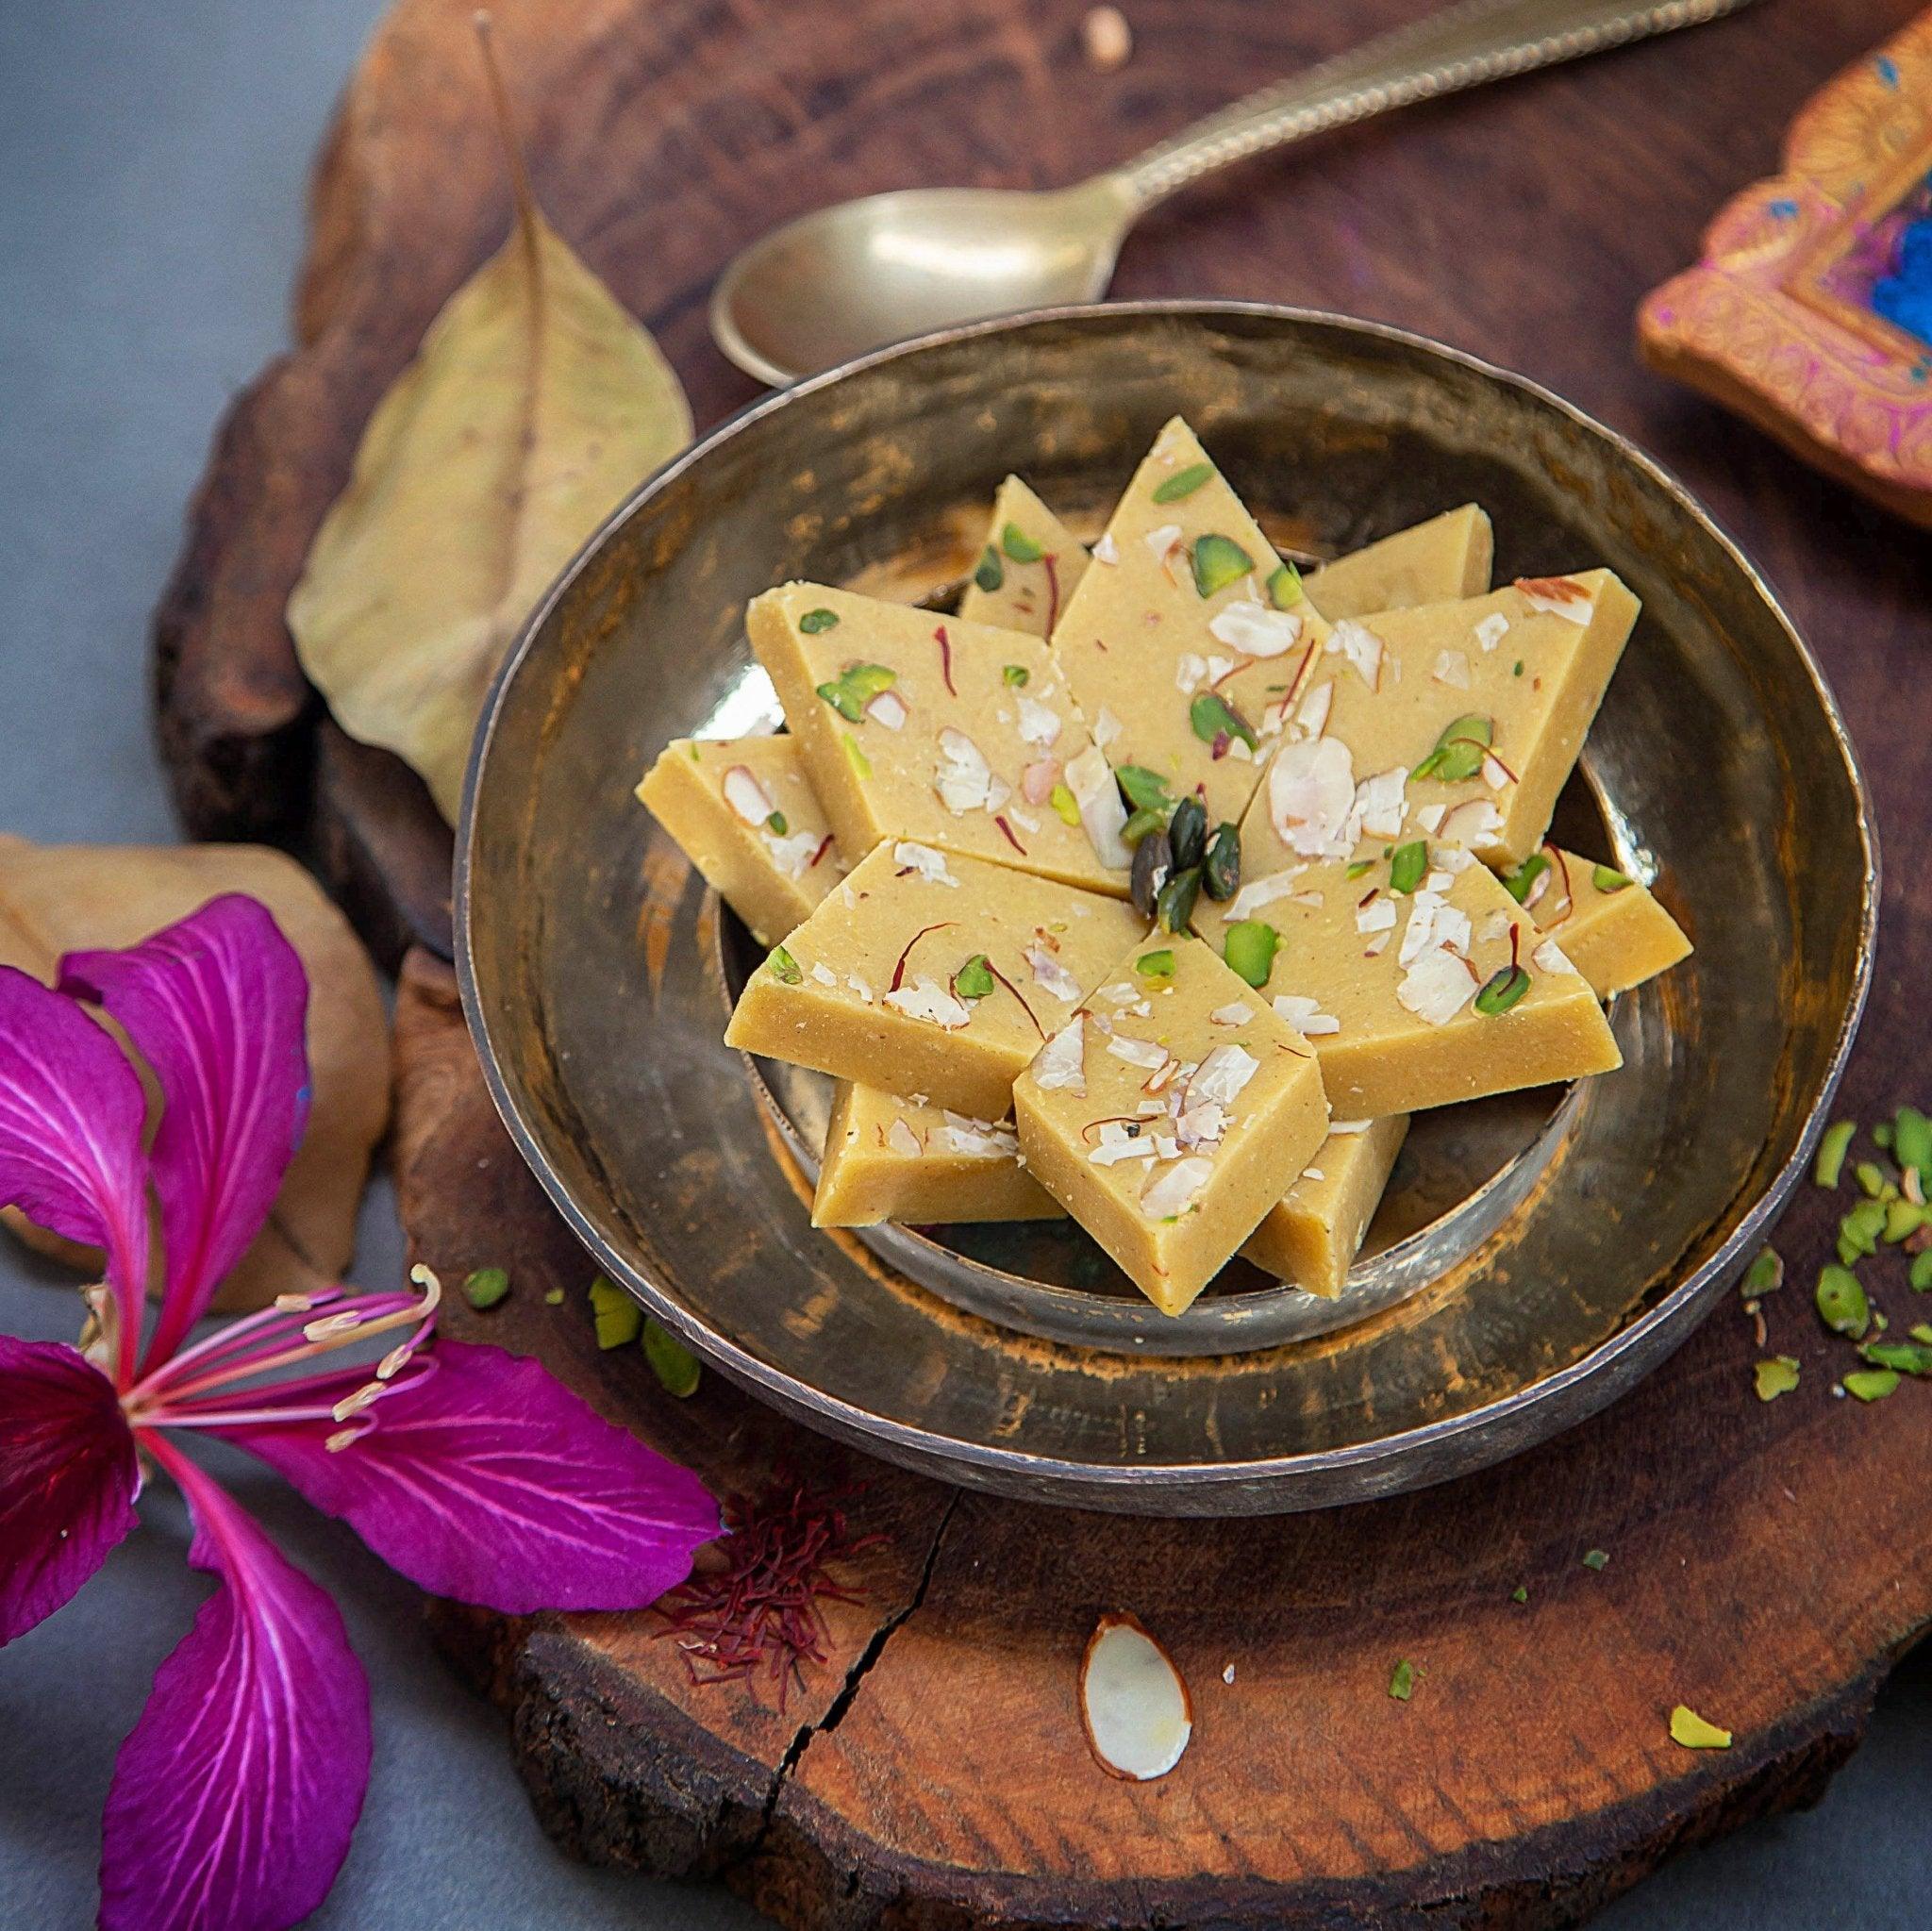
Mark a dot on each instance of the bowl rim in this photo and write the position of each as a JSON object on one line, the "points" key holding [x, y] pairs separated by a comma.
{"points": [[1615, 1364]]}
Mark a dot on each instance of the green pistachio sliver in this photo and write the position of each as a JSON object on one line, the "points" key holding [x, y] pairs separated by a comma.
{"points": [[784, 968], [553, 1297], [1911, 1140], [1219, 561], [1520, 1594], [854, 687], [1020, 546], [1870, 1179], [1832, 1150], [1777, 1376], [1156, 965], [1408, 866], [1908, 1358], [1860, 1229], [1765, 1274], [1249, 946], [1842, 1303], [1145, 790], [1140, 823], [1516, 670], [974, 980], [1517, 883], [1921, 1331], [815, 621], [1920, 1277], [1016, 675], [1175, 906], [1402, 1681], [1285, 587], [1183, 482], [991, 573], [1361, 865], [618, 1318], [486, 1286], [1903, 1218], [1503, 990], [1460, 751], [1596, 1559], [1213, 717], [855, 754], [1607, 878], [1221, 869], [1065, 805], [1872, 1384], [777, 825], [1881, 1136], [672, 1363], [1691, 1732]]}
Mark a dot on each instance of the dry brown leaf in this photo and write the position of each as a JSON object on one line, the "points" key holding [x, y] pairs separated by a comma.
{"points": [[65, 898], [533, 405]]}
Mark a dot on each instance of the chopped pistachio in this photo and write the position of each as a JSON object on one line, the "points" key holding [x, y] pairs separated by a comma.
{"points": [[1141, 822], [1285, 587], [991, 573], [815, 621], [1064, 804], [1183, 482], [1921, 1331], [1872, 1181], [1144, 789], [1690, 1730], [1842, 1303], [1765, 1274], [1777, 1376], [1517, 883], [1908, 1358], [784, 968], [1015, 674], [1502, 990], [855, 754], [1832, 1150], [553, 1297], [1175, 904], [1409, 865], [1156, 965], [672, 1363], [776, 825], [1360, 866], [1902, 1219], [1019, 545], [973, 980], [1218, 562], [1402, 1683], [1911, 1139], [1460, 751], [1881, 1136], [1872, 1384], [1520, 1594], [1248, 948], [618, 1318], [1212, 717], [854, 687], [1597, 1559], [1860, 1229], [1607, 878], [1516, 669], [1221, 869], [1920, 1276], [485, 1287]]}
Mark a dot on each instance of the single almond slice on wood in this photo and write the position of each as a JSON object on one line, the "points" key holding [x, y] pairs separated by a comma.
{"points": [[1134, 1705]]}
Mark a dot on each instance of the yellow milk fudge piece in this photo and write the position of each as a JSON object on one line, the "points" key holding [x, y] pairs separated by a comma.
{"points": [[915, 724], [743, 810], [893, 1158], [1474, 711], [1312, 1236], [1432, 562], [1169, 1114], [1030, 565], [1416, 976], [929, 973], [1185, 629], [1610, 926]]}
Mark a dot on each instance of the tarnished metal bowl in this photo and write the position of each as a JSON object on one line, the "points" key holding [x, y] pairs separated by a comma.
{"points": [[596, 976]]}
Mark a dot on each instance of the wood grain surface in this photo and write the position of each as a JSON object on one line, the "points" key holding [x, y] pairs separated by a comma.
{"points": [[1768, 1562]]}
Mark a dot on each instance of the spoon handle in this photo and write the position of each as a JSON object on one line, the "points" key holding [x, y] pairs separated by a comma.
{"points": [[1443, 53]]}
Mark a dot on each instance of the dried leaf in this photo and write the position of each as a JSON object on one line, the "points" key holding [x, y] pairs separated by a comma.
{"points": [[62, 898], [534, 402]]}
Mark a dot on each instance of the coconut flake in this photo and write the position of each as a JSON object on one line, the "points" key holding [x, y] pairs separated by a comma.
{"points": [[929, 864], [745, 795], [1435, 988], [1492, 630], [1106, 550], [1361, 647], [888, 708], [1060, 1065], [1311, 796], [965, 780], [1134, 1707], [1264, 891], [1203, 1125], [902, 1140], [1557, 596], [1091, 781], [1452, 668], [977, 1139], [1052, 975], [1306, 1015], [1039, 723], [1471, 822], [1235, 1012], [1118, 1144], [1550, 957], [1142, 1053], [928, 1000], [1172, 1190], [1162, 538], [1222, 1075], [1254, 631], [1380, 803]]}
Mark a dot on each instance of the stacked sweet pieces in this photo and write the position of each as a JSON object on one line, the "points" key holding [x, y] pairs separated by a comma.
{"points": [[1328, 800]]}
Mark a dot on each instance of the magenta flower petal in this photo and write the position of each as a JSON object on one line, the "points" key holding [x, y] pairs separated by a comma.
{"points": [[490, 1481], [71, 1118], [68, 1478], [235, 1794], [216, 1005]]}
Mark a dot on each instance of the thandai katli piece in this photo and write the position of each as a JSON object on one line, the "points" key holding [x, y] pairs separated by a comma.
{"points": [[1312, 1236], [919, 726], [925, 971], [1446, 557], [1611, 928], [743, 811], [1028, 568], [1169, 1114]]}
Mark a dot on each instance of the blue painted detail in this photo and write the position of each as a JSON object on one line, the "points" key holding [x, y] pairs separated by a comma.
{"points": [[1887, 68], [1904, 298], [1784, 209]]}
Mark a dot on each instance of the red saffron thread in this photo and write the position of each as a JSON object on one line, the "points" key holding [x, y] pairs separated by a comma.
{"points": [[999, 820], [1015, 991], [762, 1608], [824, 846], [945, 656], [1052, 591], [899, 970]]}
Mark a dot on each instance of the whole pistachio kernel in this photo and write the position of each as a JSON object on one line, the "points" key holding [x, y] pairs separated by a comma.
{"points": [[486, 1286], [1460, 751], [1173, 906], [1502, 990], [1187, 832], [973, 980], [1156, 965], [1517, 883], [1183, 482], [1219, 561], [1409, 865], [815, 621], [1153, 863], [1015, 676], [1777, 1376], [1832, 1150], [1214, 719], [991, 573], [1285, 587], [1607, 878], [672, 1363], [1221, 869], [1842, 1303], [784, 968], [1249, 946], [1019, 545]]}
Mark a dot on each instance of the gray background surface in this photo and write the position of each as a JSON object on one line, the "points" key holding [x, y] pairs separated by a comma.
{"points": [[152, 167]]}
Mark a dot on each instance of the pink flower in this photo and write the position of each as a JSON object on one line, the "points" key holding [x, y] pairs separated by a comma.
{"points": [[469, 1469]]}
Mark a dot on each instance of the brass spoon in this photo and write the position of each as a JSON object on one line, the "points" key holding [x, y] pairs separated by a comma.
{"points": [[834, 284]]}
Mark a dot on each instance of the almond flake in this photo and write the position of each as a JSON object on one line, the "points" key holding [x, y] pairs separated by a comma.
{"points": [[1118, 1144], [1492, 630], [1311, 719], [1435, 988], [1379, 801], [1306, 1015], [1237, 1012], [1550, 957], [1336, 1127], [1039, 723], [1190, 672], [1091, 781], [888, 708], [1452, 668], [1142, 1053], [1264, 891], [928, 1000], [860, 986], [1361, 647], [1452, 857], [1313, 1173], [824, 976], [1051, 974], [745, 795], [1557, 596], [1254, 631], [1172, 1190], [1106, 728], [1495, 772], [1162, 538], [1430, 817], [1059, 1065], [1106, 550], [1470, 822], [792, 855], [965, 780], [1222, 1075], [1376, 946], [1494, 927], [977, 1139], [902, 1140], [1311, 796], [1379, 915], [929, 864], [1134, 1705]]}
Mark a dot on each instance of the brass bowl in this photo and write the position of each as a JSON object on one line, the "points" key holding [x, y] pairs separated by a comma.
{"points": [[592, 972]]}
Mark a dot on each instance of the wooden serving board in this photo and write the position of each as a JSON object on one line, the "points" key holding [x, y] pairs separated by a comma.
{"points": [[1766, 1562]]}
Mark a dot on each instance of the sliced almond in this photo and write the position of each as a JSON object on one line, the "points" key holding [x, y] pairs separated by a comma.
{"points": [[746, 796], [1134, 1702]]}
